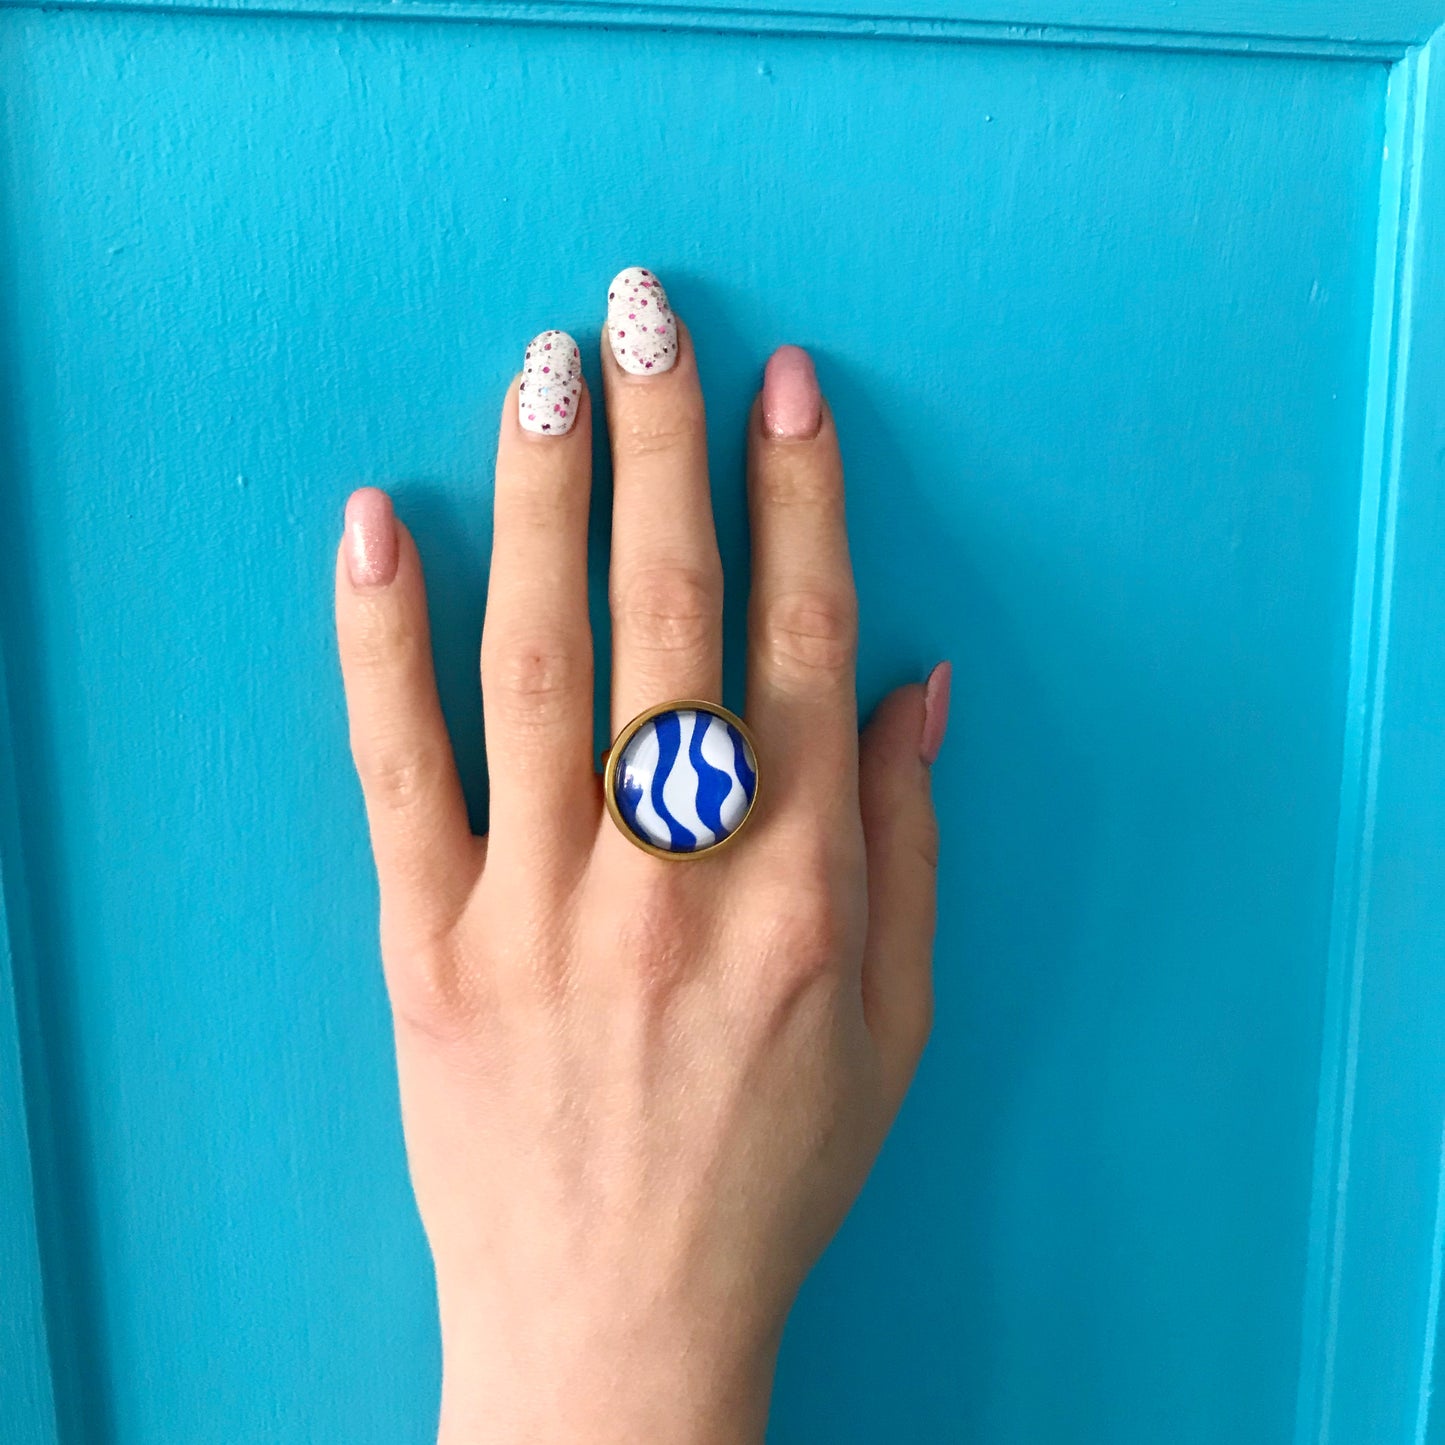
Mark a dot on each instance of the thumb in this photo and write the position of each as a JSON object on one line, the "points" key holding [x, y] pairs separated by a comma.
{"points": [[896, 752]]}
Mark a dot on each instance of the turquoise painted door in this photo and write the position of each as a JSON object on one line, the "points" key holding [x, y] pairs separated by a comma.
{"points": [[1170, 280]]}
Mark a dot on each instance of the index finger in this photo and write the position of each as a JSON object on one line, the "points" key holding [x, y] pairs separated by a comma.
{"points": [[420, 836]]}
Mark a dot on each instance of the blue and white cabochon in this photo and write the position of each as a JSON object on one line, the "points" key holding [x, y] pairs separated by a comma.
{"points": [[685, 780]]}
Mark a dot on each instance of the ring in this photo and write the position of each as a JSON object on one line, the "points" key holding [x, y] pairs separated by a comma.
{"points": [[682, 779]]}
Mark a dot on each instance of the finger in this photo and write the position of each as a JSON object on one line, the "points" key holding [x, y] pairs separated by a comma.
{"points": [[666, 582], [536, 640], [420, 836], [803, 610], [901, 833]]}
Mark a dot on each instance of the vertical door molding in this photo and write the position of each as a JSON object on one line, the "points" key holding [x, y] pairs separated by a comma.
{"points": [[27, 1399], [1373, 1293]]}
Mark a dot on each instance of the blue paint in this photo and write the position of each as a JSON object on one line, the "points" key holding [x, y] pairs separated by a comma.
{"points": [[1188, 350], [713, 784], [1329, 28], [669, 735], [1370, 1363], [741, 766], [27, 1404]]}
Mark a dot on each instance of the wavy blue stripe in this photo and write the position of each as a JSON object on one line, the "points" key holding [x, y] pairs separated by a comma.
{"points": [[669, 743], [746, 776], [713, 784]]}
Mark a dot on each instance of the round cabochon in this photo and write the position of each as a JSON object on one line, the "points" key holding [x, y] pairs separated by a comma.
{"points": [[685, 780]]}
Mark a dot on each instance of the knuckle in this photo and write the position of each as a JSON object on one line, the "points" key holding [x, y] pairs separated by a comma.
{"points": [[428, 993], [531, 676], [926, 841], [424, 1005], [658, 938], [381, 634], [918, 1028], [812, 634], [664, 433], [811, 853], [395, 775], [807, 938], [800, 482], [534, 510], [810, 961], [670, 609]]}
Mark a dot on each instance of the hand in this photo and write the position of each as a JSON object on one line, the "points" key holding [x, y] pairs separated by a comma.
{"points": [[639, 1095]]}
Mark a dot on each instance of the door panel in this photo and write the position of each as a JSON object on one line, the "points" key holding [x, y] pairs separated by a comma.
{"points": [[1111, 335]]}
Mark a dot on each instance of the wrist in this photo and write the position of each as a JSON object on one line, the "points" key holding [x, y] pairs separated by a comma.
{"points": [[673, 1396]]}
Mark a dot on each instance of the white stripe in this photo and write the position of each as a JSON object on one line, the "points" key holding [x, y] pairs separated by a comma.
{"points": [[679, 788], [717, 748]]}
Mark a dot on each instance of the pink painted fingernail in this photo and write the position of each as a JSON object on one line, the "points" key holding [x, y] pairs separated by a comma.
{"points": [[371, 550], [792, 404], [935, 712], [551, 384], [640, 325]]}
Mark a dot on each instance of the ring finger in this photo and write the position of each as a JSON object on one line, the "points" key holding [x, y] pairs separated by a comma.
{"points": [[666, 581]]}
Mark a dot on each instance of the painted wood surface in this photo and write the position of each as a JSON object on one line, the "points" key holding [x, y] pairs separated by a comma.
{"points": [[1387, 28], [1174, 508], [27, 1408], [1324, 28], [1385, 1185]]}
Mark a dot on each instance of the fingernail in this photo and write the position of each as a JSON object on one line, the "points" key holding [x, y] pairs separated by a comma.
{"points": [[640, 325], [792, 404], [370, 538], [935, 712], [551, 384]]}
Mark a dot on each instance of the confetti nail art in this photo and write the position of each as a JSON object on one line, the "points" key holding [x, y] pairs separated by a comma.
{"points": [[551, 384], [640, 323]]}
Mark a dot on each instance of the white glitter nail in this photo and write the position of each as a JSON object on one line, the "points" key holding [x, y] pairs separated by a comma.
{"points": [[551, 384], [640, 323]]}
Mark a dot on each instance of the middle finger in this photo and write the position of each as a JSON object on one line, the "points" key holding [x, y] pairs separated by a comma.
{"points": [[666, 584]]}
